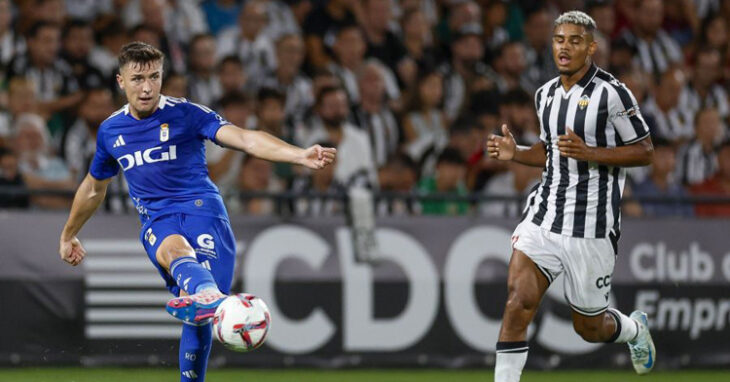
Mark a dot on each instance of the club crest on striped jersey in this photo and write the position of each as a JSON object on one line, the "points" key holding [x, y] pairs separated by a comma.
{"points": [[583, 101], [164, 132]]}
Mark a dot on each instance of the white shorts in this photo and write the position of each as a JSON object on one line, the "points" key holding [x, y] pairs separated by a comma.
{"points": [[587, 264]]}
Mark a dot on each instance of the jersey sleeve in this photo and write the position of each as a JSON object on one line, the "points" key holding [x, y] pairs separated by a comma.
{"points": [[205, 121], [103, 166], [538, 99], [624, 114]]}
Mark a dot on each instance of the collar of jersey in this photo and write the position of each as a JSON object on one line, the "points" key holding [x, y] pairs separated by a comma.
{"points": [[160, 106], [584, 81]]}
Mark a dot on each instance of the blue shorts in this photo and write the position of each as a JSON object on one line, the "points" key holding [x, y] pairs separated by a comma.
{"points": [[211, 238]]}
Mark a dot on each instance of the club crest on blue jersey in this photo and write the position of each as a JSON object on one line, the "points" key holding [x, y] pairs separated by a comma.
{"points": [[164, 132]]}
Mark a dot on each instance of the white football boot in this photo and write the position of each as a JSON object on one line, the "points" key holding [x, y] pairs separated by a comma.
{"points": [[643, 352]]}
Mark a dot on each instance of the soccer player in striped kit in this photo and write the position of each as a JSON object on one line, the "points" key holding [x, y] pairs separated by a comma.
{"points": [[590, 130]]}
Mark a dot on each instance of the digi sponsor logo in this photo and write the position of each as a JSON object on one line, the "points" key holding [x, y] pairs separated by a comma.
{"points": [[141, 157]]}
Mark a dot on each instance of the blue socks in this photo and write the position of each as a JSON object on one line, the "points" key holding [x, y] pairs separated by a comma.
{"points": [[195, 345], [190, 276]]}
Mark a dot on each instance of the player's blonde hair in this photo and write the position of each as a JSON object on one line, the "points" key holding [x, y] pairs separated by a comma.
{"points": [[577, 18]]}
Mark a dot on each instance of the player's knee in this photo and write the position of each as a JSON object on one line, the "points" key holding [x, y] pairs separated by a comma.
{"points": [[168, 254], [520, 302], [589, 331]]}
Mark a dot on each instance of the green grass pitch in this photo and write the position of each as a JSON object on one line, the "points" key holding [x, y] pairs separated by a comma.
{"points": [[311, 375]]}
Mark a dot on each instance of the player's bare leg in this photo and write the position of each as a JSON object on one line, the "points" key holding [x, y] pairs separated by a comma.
{"points": [[526, 286], [600, 328], [177, 256], [614, 326]]}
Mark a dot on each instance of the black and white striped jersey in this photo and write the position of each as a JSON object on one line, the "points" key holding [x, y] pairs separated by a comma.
{"points": [[578, 198], [691, 101], [657, 55], [694, 164]]}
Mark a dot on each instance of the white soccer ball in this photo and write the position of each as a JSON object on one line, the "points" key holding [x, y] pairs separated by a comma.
{"points": [[241, 322]]}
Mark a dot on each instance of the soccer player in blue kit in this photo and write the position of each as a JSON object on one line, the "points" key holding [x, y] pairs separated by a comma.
{"points": [[158, 142]]}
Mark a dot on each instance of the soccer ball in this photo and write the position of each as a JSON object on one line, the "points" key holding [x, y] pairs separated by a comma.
{"points": [[241, 322]]}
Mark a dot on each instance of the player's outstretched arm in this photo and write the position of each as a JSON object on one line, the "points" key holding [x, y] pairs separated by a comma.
{"points": [[266, 146], [636, 154], [88, 198], [505, 148]]}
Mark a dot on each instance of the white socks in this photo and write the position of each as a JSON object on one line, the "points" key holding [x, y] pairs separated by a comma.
{"points": [[511, 358], [626, 328]]}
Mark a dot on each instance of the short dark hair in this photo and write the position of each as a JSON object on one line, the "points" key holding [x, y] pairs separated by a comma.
{"points": [[346, 27], [325, 91], [232, 59], [198, 37], [37, 26], [93, 91], [267, 93], [234, 98], [451, 155], [112, 28], [140, 53], [74, 24]]}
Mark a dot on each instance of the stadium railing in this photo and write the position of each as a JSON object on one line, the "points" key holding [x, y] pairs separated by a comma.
{"points": [[383, 200]]}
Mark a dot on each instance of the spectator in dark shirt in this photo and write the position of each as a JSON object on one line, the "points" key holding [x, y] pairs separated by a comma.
{"points": [[78, 39], [538, 50], [604, 14], [510, 65], [204, 87], [450, 178], [55, 85], [698, 158], [270, 115], [382, 43], [662, 183], [288, 78], [175, 85], [418, 39], [11, 43], [232, 75], [10, 177], [373, 115], [465, 73], [320, 29], [718, 185], [656, 51]]}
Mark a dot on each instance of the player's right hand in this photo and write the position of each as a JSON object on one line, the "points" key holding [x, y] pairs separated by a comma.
{"points": [[502, 147], [72, 251]]}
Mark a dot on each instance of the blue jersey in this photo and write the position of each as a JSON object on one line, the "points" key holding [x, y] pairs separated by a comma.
{"points": [[163, 158]]}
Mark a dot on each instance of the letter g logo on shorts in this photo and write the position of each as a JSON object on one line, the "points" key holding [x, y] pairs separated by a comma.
{"points": [[206, 241]]}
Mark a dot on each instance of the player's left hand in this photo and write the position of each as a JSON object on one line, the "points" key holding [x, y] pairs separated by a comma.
{"points": [[572, 146], [317, 157]]}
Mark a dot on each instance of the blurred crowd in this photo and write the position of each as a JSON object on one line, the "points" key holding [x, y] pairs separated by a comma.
{"points": [[407, 90]]}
